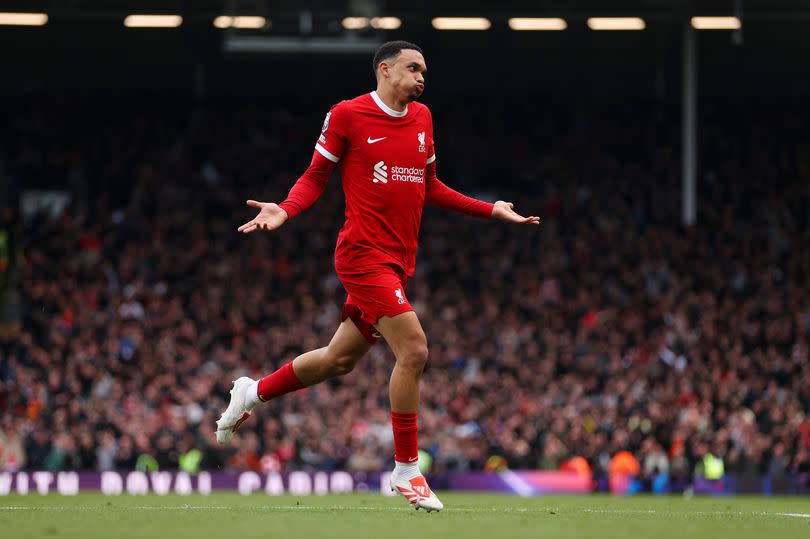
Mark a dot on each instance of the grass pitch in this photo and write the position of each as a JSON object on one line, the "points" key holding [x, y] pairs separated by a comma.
{"points": [[467, 516]]}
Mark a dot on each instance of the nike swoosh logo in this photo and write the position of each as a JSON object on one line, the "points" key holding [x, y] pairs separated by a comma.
{"points": [[413, 459], [373, 140], [376, 335]]}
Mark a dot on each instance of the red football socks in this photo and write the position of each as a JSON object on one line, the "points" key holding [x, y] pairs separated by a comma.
{"points": [[406, 445], [278, 383]]}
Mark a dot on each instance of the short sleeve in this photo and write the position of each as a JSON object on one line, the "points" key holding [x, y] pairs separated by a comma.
{"points": [[334, 136]]}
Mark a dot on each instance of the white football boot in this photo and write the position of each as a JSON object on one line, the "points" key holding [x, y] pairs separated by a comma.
{"points": [[416, 491], [236, 413]]}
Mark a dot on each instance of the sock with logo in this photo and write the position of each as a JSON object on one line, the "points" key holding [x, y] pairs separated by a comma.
{"points": [[406, 445], [273, 385]]}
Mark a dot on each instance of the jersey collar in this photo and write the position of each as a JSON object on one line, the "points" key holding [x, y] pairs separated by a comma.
{"points": [[385, 108]]}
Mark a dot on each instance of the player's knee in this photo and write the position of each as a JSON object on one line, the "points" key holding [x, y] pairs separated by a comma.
{"points": [[344, 364], [415, 357]]}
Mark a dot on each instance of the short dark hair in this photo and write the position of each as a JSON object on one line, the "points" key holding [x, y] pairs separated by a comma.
{"points": [[391, 49]]}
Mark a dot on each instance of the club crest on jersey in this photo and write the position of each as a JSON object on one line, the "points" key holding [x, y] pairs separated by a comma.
{"points": [[400, 297], [421, 138], [326, 122]]}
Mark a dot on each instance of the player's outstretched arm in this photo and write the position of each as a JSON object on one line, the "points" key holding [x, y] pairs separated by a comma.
{"points": [[303, 194], [271, 216], [503, 211], [439, 194]]}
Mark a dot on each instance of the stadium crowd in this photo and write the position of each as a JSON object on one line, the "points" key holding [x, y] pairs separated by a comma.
{"points": [[612, 327]]}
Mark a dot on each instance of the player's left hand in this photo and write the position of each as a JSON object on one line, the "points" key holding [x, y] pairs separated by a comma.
{"points": [[503, 211]]}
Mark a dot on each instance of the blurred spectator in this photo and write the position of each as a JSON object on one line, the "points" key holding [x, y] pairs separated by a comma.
{"points": [[612, 328]]}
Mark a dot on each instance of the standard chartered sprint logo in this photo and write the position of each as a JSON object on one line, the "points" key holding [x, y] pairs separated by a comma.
{"points": [[398, 174], [380, 173]]}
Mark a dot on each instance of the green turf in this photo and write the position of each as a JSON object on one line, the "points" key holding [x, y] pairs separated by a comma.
{"points": [[466, 516]]}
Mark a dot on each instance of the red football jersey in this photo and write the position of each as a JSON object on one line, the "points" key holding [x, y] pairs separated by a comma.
{"points": [[386, 162], [382, 155]]}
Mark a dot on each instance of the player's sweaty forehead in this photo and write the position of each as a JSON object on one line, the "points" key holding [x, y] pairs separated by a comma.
{"points": [[409, 58]]}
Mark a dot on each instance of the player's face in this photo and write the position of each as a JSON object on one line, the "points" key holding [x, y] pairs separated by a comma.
{"points": [[406, 74]]}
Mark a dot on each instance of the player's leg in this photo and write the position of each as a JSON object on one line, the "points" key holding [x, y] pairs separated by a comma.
{"points": [[339, 357], [405, 336], [407, 340]]}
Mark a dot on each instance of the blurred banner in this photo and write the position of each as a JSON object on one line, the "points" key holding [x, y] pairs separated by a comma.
{"points": [[522, 483], [178, 482]]}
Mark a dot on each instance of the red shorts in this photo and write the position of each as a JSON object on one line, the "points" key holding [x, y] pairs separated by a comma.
{"points": [[373, 292]]}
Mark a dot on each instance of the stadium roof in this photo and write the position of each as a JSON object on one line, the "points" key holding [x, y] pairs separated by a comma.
{"points": [[413, 9], [84, 46]]}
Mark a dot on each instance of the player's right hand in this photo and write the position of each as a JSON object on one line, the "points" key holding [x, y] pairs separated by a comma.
{"points": [[271, 216]]}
